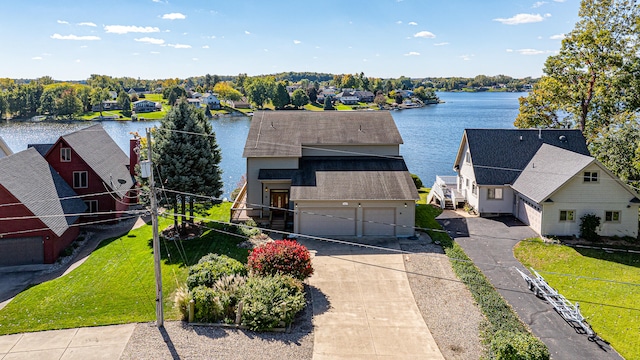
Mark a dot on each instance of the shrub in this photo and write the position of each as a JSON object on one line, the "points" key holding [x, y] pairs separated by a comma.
{"points": [[228, 290], [285, 257], [517, 346], [271, 301], [588, 225], [251, 228], [416, 181], [208, 307], [210, 268], [181, 300]]}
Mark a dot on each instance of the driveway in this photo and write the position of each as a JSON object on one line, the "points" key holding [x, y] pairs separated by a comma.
{"points": [[489, 243]]}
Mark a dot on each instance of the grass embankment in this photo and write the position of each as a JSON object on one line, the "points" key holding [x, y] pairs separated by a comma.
{"points": [[502, 323], [116, 284], [611, 307]]}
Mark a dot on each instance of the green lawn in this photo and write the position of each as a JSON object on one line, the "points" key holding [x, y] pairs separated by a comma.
{"points": [[612, 309], [116, 284]]}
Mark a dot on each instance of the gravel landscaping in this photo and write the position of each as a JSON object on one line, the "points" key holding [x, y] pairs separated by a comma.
{"points": [[445, 303]]}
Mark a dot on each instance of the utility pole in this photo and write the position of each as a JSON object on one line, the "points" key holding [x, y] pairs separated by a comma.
{"points": [[156, 240]]}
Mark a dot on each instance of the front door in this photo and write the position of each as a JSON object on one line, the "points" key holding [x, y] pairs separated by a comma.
{"points": [[279, 208]]}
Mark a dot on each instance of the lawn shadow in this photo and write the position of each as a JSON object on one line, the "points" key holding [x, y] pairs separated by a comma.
{"points": [[620, 256]]}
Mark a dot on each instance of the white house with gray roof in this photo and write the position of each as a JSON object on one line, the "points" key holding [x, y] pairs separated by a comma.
{"points": [[328, 174], [546, 178]]}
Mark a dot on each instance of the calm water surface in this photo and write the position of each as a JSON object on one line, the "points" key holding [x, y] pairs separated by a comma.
{"points": [[431, 134]]}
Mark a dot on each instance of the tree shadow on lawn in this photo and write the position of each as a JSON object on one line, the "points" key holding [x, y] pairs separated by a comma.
{"points": [[617, 256]]}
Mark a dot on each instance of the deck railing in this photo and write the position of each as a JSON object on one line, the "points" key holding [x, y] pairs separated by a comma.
{"points": [[239, 205], [444, 188]]}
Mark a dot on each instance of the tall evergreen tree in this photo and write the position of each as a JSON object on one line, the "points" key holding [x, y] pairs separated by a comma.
{"points": [[281, 97], [124, 101], [188, 156]]}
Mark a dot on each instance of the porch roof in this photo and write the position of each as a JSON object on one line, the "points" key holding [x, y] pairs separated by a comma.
{"points": [[276, 174], [353, 178]]}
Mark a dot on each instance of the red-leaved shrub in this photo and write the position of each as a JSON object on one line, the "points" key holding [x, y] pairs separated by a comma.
{"points": [[285, 257]]}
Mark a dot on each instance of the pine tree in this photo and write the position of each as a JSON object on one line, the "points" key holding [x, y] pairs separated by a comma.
{"points": [[188, 157]]}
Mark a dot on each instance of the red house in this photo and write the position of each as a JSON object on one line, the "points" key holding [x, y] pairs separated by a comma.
{"points": [[38, 210], [96, 168]]}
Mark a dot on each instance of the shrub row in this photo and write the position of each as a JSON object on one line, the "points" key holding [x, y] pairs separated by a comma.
{"points": [[504, 334]]}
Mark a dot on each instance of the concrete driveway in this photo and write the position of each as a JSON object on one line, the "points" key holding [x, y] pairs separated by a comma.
{"points": [[489, 243]]}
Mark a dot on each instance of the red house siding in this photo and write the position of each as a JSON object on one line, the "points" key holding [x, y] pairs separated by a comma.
{"points": [[106, 202], [31, 226]]}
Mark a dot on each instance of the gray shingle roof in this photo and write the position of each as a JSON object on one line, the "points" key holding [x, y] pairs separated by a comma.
{"points": [[94, 145], [43, 149], [549, 169], [28, 177], [283, 133], [352, 178], [498, 155]]}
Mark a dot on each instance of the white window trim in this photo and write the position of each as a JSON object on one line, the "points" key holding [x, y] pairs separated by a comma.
{"points": [[66, 151], [89, 210], [86, 177], [494, 197], [589, 178], [567, 213]]}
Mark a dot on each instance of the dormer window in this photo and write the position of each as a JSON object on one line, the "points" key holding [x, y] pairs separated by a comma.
{"points": [[65, 154], [590, 176]]}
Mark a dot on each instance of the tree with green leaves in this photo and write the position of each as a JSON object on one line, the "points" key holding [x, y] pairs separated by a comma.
{"points": [[68, 104], [98, 97], [592, 84], [226, 91], [188, 157], [328, 104], [124, 102], [380, 100], [588, 81], [281, 97], [299, 98], [260, 90], [3, 104], [312, 93]]}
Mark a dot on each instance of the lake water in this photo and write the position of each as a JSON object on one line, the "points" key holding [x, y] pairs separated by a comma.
{"points": [[431, 134]]}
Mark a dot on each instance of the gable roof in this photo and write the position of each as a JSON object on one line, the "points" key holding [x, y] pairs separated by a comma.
{"points": [[352, 178], [94, 145], [499, 155], [28, 177], [552, 167], [43, 149], [284, 133]]}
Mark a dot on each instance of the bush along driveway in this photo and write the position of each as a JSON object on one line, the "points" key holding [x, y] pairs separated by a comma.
{"points": [[489, 243]]}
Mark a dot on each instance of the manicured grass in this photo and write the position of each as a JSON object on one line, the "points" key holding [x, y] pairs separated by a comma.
{"points": [[116, 283], [314, 107], [94, 114], [611, 308]]}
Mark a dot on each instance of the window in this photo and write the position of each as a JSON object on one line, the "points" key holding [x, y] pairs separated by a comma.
{"points": [[467, 157], [92, 206], [590, 176], [612, 216], [65, 154], [80, 179], [474, 188], [467, 183], [567, 215], [495, 194]]}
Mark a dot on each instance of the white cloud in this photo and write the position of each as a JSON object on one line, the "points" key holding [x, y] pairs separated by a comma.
{"points": [[174, 16], [399, 22], [157, 1], [521, 19], [441, 44], [74, 37], [77, 60], [123, 29], [413, 23], [154, 52], [195, 59], [557, 37], [466, 57], [83, 47], [135, 54], [297, 42], [63, 22], [412, 53], [424, 34], [560, 1], [150, 40], [87, 23], [538, 4], [205, 46], [180, 46], [247, 33], [509, 50], [530, 52], [36, 58]]}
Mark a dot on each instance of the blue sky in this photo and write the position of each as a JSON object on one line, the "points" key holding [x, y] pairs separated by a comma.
{"points": [[153, 39]]}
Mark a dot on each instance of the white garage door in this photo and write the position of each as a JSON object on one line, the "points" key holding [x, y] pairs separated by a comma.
{"points": [[328, 221], [528, 214], [378, 221], [21, 251]]}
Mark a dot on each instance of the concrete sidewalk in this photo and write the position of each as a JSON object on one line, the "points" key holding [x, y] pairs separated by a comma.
{"points": [[363, 305], [103, 342]]}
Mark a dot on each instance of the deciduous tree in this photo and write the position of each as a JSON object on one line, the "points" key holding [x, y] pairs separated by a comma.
{"points": [[281, 97], [299, 98], [260, 90]]}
